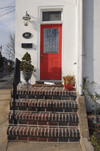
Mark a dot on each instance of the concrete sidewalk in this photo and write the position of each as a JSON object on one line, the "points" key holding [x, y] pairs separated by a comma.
{"points": [[45, 146], [5, 96], [6, 82]]}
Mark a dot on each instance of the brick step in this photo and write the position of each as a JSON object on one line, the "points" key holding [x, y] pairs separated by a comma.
{"points": [[45, 92], [69, 119], [45, 105], [40, 133]]}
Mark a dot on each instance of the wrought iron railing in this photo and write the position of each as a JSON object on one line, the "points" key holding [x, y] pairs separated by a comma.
{"points": [[16, 80]]}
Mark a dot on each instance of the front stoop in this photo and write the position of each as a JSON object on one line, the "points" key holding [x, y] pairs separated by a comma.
{"points": [[46, 114]]}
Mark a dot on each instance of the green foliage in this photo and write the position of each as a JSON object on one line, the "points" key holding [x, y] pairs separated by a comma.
{"points": [[95, 143], [93, 138], [69, 79], [26, 63], [92, 96], [9, 68], [27, 57]]}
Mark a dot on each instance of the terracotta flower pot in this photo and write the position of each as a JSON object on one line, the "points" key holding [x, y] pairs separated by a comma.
{"points": [[68, 87]]}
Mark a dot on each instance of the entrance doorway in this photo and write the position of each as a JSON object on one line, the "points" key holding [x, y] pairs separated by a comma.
{"points": [[51, 52]]}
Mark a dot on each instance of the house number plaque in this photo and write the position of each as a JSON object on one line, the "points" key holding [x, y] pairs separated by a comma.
{"points": [[27, 35], [26, 45]]}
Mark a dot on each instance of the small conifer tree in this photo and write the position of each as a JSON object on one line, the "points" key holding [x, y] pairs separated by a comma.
{"points": [[26, 63]]}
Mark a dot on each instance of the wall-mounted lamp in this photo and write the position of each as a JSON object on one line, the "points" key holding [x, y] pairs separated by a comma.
{"points": [[26, 19]]}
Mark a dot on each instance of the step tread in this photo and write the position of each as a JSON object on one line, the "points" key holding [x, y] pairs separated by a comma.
{"points": [[45, 116], [45, 103], [43, 131], [44, 146], [44, 90]]}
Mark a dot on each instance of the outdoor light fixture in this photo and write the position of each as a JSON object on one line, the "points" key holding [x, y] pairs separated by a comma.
{"points": [[26, 19]]}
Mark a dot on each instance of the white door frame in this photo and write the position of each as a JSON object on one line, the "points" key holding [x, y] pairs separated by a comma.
{"points": [[40, 10]]}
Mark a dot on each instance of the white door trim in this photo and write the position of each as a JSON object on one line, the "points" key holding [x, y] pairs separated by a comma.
{"points": [[40, 10]]}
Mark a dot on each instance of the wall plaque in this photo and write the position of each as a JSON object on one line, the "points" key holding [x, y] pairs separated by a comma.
{"points": [[27, 35], [26, 45]]}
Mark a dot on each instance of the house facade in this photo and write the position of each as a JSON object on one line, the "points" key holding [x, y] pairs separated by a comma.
{"points": [[64, 39]]}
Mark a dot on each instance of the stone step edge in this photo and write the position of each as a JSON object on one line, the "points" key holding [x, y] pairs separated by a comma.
{"points": [[29, 111], [39, 142], [47, 100], [43, 112], [43, 126], [44, 100]]}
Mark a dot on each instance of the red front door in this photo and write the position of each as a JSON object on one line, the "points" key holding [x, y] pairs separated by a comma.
{"points": [[51, 52]]}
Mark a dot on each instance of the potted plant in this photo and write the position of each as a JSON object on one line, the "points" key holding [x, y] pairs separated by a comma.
{"points": [[26, 67], [69, 81]]}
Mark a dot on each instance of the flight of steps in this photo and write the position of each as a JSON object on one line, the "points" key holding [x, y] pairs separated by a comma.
{"points": [[44, 114]]}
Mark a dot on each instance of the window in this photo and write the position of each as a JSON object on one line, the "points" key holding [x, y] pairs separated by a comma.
{"points": [[51, 16], [51, 40]]}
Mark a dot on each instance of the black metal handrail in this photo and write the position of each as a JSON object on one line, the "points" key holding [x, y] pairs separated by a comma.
{"points": [[16, 80]]}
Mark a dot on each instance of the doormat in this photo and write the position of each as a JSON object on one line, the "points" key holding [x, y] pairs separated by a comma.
{"points": [[45, 85]]}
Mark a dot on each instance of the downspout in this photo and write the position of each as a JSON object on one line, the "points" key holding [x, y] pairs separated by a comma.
{"points": [[81, 50]]}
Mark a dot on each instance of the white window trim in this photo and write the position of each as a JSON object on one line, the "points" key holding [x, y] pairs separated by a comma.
{"points": [[40, 10], [53, 8]]}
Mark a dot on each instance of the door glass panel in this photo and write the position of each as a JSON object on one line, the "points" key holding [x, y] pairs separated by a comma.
{"points": [[51, 40], [51, 16]]}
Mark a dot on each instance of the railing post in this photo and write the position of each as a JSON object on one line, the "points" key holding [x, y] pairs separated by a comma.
{"points": [[16, 80], [14, 97]]}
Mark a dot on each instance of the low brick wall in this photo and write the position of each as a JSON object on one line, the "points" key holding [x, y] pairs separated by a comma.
{"points": [[83, 125]]}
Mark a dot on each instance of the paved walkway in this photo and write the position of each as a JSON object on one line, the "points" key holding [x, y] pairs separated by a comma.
{"points": [[5, 96], [21, 146], [6, 82]]}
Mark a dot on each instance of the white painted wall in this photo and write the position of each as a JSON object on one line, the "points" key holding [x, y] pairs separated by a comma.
{"points": [[68, 23], [96, 54], [91, 42], [75, 42]]}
